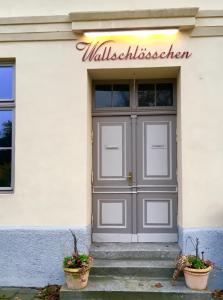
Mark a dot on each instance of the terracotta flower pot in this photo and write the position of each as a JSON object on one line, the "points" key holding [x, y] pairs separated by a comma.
{"points": [[76, 278], [197, 279]]}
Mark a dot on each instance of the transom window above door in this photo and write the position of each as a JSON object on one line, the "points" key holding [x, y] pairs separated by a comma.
{"points": [[112, 95], [134, 95], [157, 94]]}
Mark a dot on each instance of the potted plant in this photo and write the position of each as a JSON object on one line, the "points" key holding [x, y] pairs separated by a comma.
{"points": [[195, 268], [77, 268]]}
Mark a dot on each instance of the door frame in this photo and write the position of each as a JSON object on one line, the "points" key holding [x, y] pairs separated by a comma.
{"points": [[133, 111]]}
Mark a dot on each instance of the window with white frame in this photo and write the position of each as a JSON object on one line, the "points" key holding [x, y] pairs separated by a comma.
{"points": [[7, 106]]}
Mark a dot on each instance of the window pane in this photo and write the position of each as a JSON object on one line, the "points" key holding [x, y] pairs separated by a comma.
{"points": [[164, 94], [146, 95], [6, 83], [5, 128], [5, 168], [103, 95], [120, 97]]}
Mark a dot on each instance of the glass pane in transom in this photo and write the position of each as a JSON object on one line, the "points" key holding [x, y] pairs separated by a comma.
{"points": [[164, 94], [121, 96], [103, 95], [146, 95]]}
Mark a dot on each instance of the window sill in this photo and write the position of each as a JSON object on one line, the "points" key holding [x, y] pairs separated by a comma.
{"points": [[9, 190]]}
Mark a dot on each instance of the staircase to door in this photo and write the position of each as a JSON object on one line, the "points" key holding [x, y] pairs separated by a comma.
{"points": [[134, 178], [134, 271]]}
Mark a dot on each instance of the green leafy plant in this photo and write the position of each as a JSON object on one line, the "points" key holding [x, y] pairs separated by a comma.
{"points": [[77, 260], [191, 261], [196, 262]]}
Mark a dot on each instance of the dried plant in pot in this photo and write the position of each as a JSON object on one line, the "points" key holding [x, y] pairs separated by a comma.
{"points": [[195, 268], [77, 268]]}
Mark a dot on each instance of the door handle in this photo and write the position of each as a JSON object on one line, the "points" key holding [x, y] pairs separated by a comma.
{"points": [[130, 178], [111, 147]]}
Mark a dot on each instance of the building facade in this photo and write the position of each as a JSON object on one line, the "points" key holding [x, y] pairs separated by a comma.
{"points": [[110, 125]]}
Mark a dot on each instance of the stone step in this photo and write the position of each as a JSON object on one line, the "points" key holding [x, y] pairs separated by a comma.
{"points": [[149, 268], [132, 288], [153, 251]]}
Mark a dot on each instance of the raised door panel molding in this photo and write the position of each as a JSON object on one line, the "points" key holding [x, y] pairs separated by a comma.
{"points": [[112, 213], [157, 213], [156, 153], [111, 151], [156, 150]]}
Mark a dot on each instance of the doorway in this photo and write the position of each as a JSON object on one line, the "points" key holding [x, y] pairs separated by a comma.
{"points": [[134, 188]]}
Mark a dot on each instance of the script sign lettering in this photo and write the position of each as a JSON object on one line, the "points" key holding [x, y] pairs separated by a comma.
{"points": [[105, 51]]}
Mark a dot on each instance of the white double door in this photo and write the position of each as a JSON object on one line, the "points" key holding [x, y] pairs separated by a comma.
{"points": [[134, 179]]}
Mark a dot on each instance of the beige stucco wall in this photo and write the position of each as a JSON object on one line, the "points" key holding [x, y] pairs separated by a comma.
{"points": [[53, 123], [14, 8], [201, 119], [51, 175]]}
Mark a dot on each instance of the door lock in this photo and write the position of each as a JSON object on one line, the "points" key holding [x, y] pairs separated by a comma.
{"points": [[130, 178]]}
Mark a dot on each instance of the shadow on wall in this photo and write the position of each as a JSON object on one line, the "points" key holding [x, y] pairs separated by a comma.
{"points": [[32, 257]]}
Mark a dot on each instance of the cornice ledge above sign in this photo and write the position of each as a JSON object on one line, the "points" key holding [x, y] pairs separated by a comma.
{"points": [[134, 14], [182, 18]]}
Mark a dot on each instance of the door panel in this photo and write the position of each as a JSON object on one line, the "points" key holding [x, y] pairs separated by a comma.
{"points": [[156, 178], [156, 148], [112, 213], [112, 198], [112, 148], [156, 151], [111, 151], [157, 212]]}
